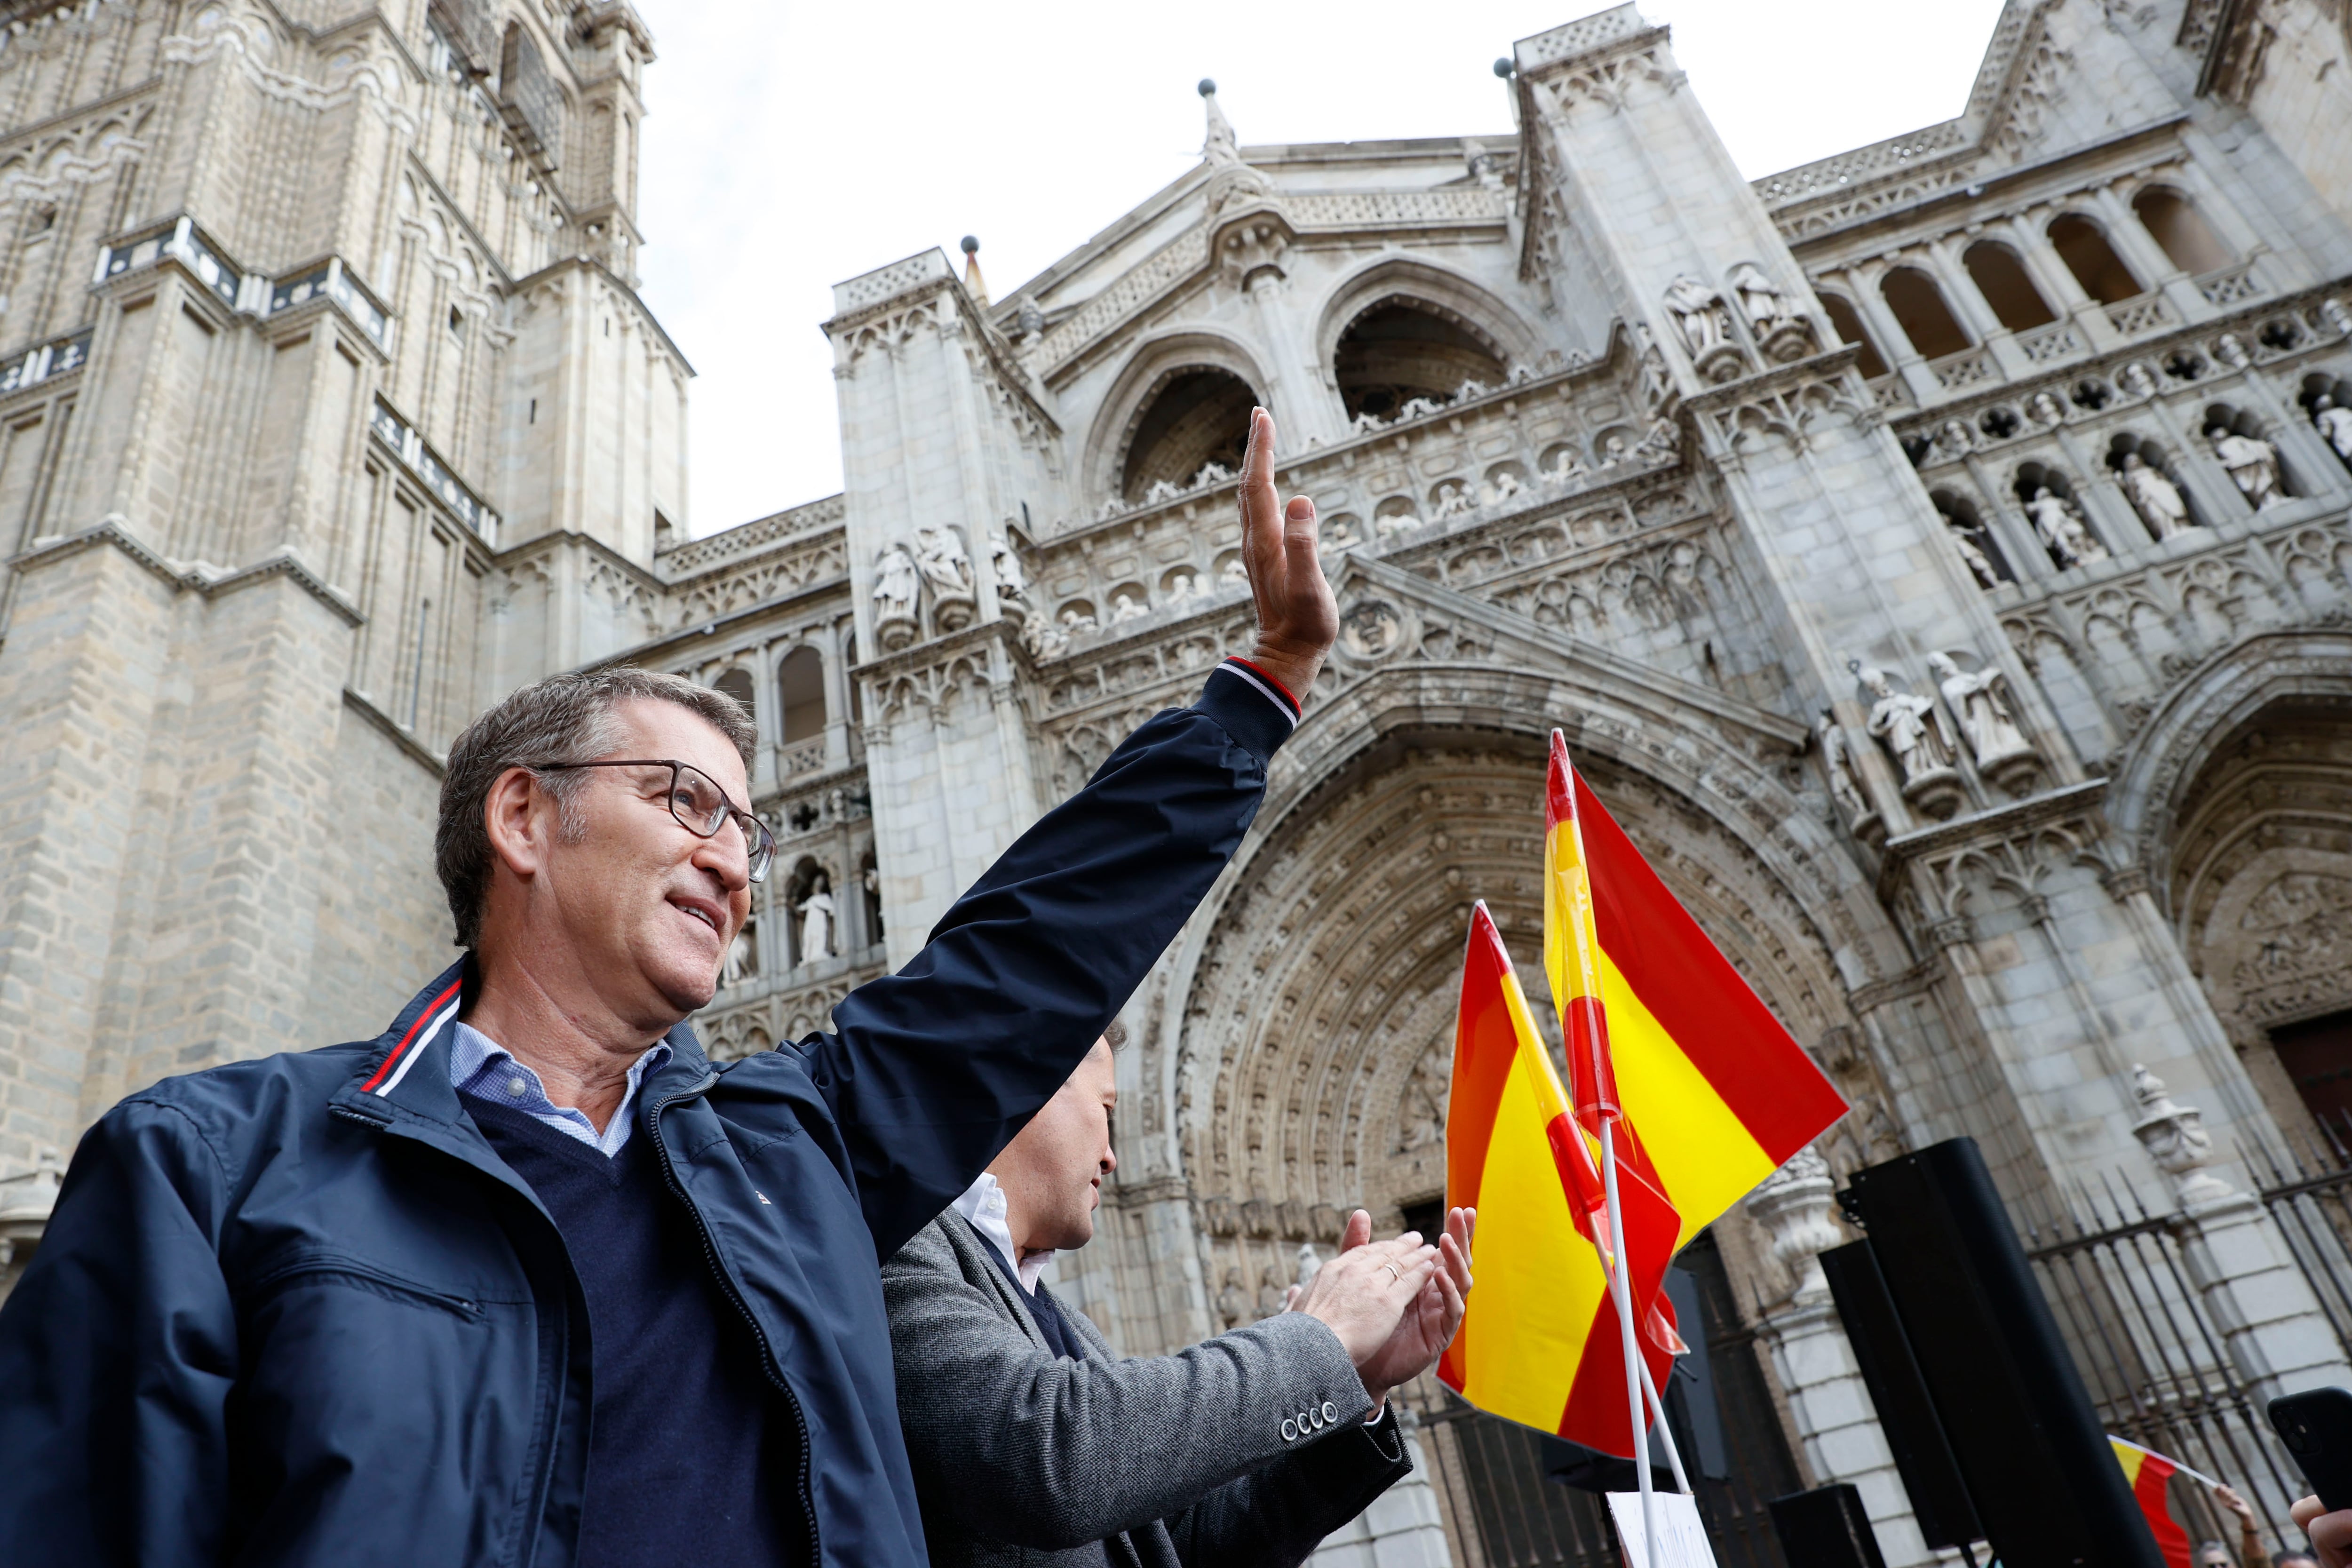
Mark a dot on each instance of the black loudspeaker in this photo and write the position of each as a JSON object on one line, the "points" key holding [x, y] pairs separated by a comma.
{"points": [[1825, 1528], [1923, 1457], [2038, 1467]]}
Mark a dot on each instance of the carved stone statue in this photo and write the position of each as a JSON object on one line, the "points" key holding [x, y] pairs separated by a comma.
{"points": [[2045, 408], [1973, 551], [2231, 350], [1762, 304], [939, 555], [2061, 528], [1012, 581], [2334, 425], [1612, 451], [894, 585], [2176, 1137], [1420, 1114], [2156, 498], [1185, 588], [1954, 437], [1394, 523], [1046, 639], [1846, 779], [1793, 1206], [1232, 1302], [1270, 1291], [1076, 620], [1125, 607], [1452, 500], [2251, 462], [1698, 312], [1310, 1264], [1982, 700], [1237, 572], [2138, 380], [1567, 472], [816, 920], [1911, 725], [743, 956]]}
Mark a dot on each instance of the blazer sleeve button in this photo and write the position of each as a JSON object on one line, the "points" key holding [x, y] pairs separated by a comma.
{"points": [[1289, 1429], [1331, 1411]]}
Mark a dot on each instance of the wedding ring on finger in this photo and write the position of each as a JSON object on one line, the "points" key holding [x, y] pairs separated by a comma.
{"points": [[1394, 1273]]}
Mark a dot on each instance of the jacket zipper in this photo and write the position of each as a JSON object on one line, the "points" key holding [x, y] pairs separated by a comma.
{"points": [[348, 1268], [727, 1286]]}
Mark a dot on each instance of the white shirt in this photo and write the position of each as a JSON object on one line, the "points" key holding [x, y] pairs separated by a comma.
{"points": [[983, 1204]]}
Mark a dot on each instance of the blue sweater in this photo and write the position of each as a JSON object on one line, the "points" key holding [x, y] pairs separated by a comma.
{"points": [[688, 1450]]}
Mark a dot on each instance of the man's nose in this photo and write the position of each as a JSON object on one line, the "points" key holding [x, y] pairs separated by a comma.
{"points": [[726, 854]]}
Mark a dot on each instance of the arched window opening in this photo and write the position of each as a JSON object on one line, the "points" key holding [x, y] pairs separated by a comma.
{"points": [[2327, 402], [1396, 352], [737, 683], [799, 685], [1848, 322], [869, 888], [2093, 261], [2180, 230], [849, 676], [2001, 278], [1200, 416], [1919, 310]]}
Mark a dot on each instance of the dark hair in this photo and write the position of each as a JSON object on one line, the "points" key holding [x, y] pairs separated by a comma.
{"points": [[564, 718], [1115, 1034]]}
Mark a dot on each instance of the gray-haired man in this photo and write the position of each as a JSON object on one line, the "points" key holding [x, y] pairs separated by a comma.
{"points": [[1032, 1444]]}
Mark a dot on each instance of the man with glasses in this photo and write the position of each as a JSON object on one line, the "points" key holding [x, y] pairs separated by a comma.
{"points": [[526, 1279]]}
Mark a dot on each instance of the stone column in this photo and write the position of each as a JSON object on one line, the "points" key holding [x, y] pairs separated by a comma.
{"points": [[2279, 1340], [1836, 1423]]}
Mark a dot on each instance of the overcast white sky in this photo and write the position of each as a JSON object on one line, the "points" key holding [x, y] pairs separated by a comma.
{"points": [[790, 146]]}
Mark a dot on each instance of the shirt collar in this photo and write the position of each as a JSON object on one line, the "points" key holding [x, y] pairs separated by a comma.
{"points": [[983, 1204], [481, 1067]]}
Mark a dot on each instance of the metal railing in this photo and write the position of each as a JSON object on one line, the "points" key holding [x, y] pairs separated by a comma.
{"points": [[2308, 1192], [2157, 1366]]}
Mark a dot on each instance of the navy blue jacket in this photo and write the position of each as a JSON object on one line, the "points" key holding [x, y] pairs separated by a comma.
{"points": [[296, 1311]]}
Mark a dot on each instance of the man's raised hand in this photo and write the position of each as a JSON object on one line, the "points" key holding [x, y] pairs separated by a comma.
{"points": [[1297, 619]]}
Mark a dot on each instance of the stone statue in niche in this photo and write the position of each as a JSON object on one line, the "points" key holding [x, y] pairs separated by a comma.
{"points": [[1310, 1264], [939, 555], [1612, 451], [1237, 572], [1483, 166], [1185, 588], [2334, 425], [1973, 551], [1272, 1293], [1420, 1115], [1232, 1302], [1452, 500], [2155, 496], [1076, 620], [1046, 639], [1394, 523], [1981, 699], [894, 594], [1912, 726], [2252, 463], [2061, 528], [1762, 304], [1012, 581], [1125, 607], [816, 920], [1845, 778], [1567, 472], [1698, 312], [1954, 437], [743, 956]]}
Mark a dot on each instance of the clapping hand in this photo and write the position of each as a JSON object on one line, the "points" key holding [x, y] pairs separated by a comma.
{"points": [[1425, 1320]]}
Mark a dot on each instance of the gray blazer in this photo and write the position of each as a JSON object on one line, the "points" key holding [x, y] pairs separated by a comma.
{"points": [[1241, 1452]]}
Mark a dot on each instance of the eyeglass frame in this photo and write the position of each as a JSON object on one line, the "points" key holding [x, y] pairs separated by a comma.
{"points": [[756, 865]]}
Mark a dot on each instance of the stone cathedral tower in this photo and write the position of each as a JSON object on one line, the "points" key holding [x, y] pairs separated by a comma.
{"points": [[1939, 555]]}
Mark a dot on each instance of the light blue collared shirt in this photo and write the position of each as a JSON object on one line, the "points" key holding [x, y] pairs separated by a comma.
{"points": [[479, 1065]]}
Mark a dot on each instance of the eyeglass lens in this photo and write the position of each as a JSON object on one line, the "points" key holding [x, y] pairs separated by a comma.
{"points": [[701, 807]]}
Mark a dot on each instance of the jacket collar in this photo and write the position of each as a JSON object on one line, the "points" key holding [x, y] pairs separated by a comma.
{"points": [[409, 1068]]}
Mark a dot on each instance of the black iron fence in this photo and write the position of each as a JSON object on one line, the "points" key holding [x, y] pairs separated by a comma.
{"points": [[2155, 1363], [2307, 1188]]}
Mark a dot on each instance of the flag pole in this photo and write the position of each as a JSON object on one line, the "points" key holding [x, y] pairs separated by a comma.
{"points": [[1649, 1387], [1633, 1368]]}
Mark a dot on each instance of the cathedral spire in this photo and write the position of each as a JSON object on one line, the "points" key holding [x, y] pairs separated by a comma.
{"points": [[1222, 146], [974, 284]]}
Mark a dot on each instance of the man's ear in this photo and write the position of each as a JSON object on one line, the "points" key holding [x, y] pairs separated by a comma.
{"points": [[512, 815]]}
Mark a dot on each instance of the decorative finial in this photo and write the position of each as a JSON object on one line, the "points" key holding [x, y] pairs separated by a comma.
{"points": [[974, 284], [1504, 69], [1208, 88]]}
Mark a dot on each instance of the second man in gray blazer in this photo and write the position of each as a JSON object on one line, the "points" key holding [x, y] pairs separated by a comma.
{"points": [[1033, 1444]]}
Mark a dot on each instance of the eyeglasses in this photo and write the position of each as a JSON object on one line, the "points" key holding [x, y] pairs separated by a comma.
{"points": [[700, 806]]}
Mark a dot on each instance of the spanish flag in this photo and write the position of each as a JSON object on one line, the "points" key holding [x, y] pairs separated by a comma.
{"points": [[2151, 1475], [1706, 1093]]}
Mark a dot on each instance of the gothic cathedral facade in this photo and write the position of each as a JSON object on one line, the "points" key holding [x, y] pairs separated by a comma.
{"points": [[1939, 555]]}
